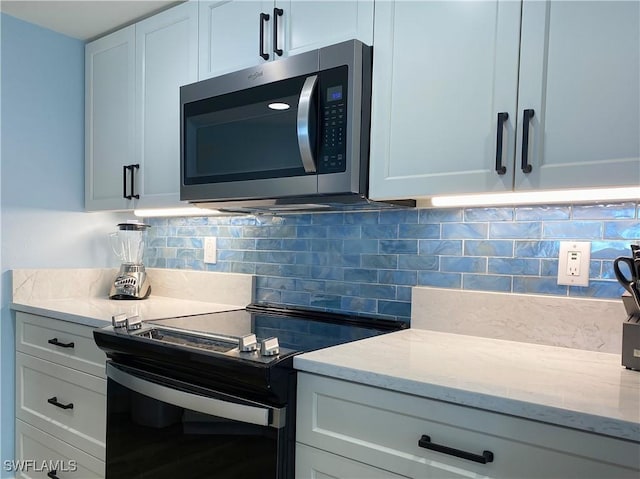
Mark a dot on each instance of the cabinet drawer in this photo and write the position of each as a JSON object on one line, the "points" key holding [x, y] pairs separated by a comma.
{"points": [[38, 453], [382, 428], [50, 339], [40, 383], [312, 463]]}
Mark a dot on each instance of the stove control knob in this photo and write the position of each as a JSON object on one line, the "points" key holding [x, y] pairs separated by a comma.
{"points": [[133, 323], [270, 347], [248, 343], [119, 320]]}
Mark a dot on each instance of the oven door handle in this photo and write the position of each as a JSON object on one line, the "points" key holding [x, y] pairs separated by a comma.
{"points": [[262, 416], [304, 124]]}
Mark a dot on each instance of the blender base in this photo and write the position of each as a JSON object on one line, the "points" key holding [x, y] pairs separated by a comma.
{"points": [[131, 283]]}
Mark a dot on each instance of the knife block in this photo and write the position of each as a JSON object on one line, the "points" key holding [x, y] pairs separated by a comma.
{"points": [[631, 334]]}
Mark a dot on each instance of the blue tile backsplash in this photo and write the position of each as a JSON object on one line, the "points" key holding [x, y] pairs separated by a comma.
{"points": [[367, 262]]}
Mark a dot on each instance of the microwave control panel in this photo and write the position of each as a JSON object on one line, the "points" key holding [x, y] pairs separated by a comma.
{"points": [[333, 121]]}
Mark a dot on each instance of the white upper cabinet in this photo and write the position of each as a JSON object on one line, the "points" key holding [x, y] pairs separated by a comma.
{"points": [[109, 118], [132, 110], [166, 58], [238, 34], [580, 73], [452, 82]]}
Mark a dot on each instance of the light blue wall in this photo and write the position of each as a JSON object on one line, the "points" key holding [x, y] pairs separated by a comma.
{"points": [[367, 262], [42, 171]]}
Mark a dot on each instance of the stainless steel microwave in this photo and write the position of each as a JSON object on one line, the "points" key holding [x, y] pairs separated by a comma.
{"points": [[285, 133]]}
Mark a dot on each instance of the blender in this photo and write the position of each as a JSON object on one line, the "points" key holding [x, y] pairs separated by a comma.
{"points": [[128, 245]]}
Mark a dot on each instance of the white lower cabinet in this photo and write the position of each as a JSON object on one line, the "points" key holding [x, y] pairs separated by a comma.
{"points": [[60, 399], [348, 430]]}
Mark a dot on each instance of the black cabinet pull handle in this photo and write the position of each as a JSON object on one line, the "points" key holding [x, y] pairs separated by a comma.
{"points": [[485, 457], [52, 475], [54, 401], [277, 12], [55, 342], [133, 176], [526, 120], [263, 18], [124, 182], [502, 118]]}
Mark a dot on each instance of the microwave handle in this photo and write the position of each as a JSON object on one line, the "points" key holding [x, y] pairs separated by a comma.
{"points": [[304, 139]]}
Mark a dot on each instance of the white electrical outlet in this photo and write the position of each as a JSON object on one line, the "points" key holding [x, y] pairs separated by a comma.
{"points": [[573, 263], [210, 250]]}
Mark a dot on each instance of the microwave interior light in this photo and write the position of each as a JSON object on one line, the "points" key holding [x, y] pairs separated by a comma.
{"points": [[279, 106], [538, 197]]}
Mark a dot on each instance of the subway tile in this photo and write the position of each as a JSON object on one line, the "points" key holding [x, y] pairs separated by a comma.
{"points": [[297, 298], [325, 301], [606, 270], [379, 231], [537, 249], [465, 230], [488, 248], [440, 247], [267, 270], [343, 288], [549, 267], [378, 291], [542, 213], [533, 285], [230, 231], [358, 304], [455, 264], [327, 272], [424, 231], [399, 246], [605, 211], [343, 231], [361, 218], [400, 216], [175, 242], [598, 289], [327, 245], [238, 243], [514, 266], [486, 282], [244, 268], [379, 261], [609, 249], [629, 230], [360, 246], [295, 270], [268, 296], [295, 244], [445, 215], [525, 229], [230, 255], [394, 308], [311, 231], [418, 262], [572, 229], [403, 293], [311, 285], [360, 275], [488, 214], [334, 218], [440, 280], [387, 276]]}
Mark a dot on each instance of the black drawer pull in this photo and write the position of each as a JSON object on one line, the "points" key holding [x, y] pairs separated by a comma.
{"points": [[52, 475], [54, 401], [55, 342], [486, 456]]}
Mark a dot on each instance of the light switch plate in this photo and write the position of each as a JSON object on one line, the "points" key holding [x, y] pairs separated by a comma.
{"points": [[210, 250], [573, 263]]}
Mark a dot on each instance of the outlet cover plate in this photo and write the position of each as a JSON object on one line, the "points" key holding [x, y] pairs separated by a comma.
{"points": [[573, 263], [210, 250]]}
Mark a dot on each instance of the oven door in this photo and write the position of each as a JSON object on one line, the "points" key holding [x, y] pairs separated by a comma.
{"points": [[162, 428]]}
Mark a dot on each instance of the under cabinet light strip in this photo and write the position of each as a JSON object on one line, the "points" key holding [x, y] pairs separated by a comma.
{"points": [[168, 212], [535, 197]]}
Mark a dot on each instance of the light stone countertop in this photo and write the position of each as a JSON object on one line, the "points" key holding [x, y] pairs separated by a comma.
{"points": [[81, 295], [575, 388]]}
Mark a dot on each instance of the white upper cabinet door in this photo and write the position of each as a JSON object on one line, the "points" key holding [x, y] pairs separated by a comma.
{"points": [[442, 72], [230, 35], [309, 24], [166, 58], [109, 118], [580, 74]]}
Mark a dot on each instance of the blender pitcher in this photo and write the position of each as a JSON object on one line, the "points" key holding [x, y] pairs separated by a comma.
{"points": [[128, 245]]}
